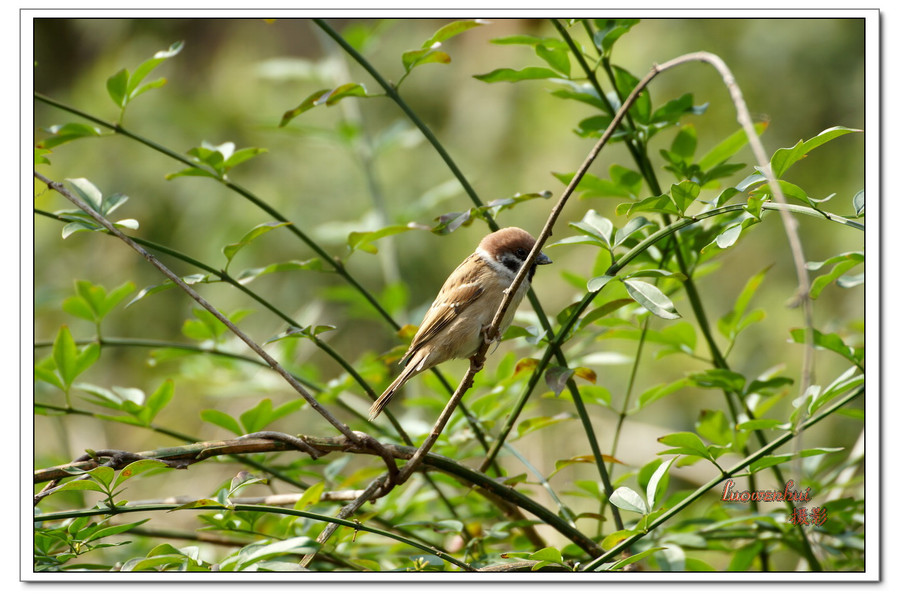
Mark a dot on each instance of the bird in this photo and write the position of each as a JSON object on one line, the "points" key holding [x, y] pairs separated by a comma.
{"points": [[455, 323]]}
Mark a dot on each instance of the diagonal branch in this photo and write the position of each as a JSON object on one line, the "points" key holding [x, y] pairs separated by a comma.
{"points": [[274, 364]]}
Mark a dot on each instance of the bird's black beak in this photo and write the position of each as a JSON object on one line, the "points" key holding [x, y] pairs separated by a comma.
{"points": [[542, 259]]}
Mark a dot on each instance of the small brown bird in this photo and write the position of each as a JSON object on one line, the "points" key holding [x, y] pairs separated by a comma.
{"points": [[454, 325]]}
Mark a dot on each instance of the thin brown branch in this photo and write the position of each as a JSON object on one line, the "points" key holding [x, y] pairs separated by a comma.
{"points": [[274, 364], [765, 166]]}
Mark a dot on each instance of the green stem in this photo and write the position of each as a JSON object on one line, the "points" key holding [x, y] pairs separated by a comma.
{"points": [[332, 261], [394, 95]]}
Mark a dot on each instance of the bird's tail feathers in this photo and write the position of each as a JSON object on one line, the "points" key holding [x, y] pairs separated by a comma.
{"points": [[408, 372]]}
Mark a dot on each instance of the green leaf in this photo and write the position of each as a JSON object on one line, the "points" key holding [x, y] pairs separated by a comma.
{"points": [[147, 87], [102, 532], [256, 418], [766, 386], [232, 249], [362, 240], [312, 264], [308, 332], [848, 380], [714, 426], [656, 488], [685, 143], [310, 496], [328, 97], [223, 420], [153, 289], [610, 30], [87, 357], [40, 156], [555, 55], [683, 194], [134, 84], [630, 228], [527, 426], [859, 203], [670, 113], [743, 558], [842, 263], [202, 503], [728, 147], [103, 475], [88, 192], [78, 307], [66, 133], [287, 408], [79, 485], [623, 183], [654, 204], [719, 378], [546, 556], [115, 297], [784, 158], [521, 39], [651, 297], [596, 226], [242, 155], [240, 481], [157, 401], [213, 156], [625, 83], [453, 29], [45, 371], [117, 87], [684, 439], [732, 323], [191, 172], [628, 499], [655, 273], [826, 341], [141, 467], [768, 461], [616, 538], [513, 75], [258, 551], [500, 204], [660, 391], [688, 444], [414, 58], [65, 356]]}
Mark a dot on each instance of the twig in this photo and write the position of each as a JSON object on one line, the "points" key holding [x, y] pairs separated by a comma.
{"points": [[370, 492]]}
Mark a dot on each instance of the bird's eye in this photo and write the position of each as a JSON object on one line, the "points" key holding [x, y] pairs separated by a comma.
{"points": [[521, 252]]}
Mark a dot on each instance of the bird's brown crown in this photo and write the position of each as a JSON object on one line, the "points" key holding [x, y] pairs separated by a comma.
{"points": [[509, 240]]}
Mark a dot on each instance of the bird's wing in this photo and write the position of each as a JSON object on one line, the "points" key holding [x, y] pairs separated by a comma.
{"points": [[460, 290]]}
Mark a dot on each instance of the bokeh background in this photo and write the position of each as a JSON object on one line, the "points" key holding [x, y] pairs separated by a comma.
{"points": [[235, 78]]}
